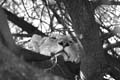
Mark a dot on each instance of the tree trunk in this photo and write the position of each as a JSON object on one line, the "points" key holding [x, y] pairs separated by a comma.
{"points": [[84, 23]]}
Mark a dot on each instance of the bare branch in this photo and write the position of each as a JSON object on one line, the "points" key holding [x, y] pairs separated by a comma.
{"points": [[113, 46]]}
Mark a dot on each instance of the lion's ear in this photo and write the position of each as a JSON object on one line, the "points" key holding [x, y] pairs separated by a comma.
{"points": [[36, 38], [34, 43]]}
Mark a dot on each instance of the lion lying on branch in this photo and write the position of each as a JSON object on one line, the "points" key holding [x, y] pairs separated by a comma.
{"points": [[57, 45]]}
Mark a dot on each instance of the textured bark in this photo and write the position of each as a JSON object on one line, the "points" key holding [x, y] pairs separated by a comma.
{"points": [[23, 24], [83, 23]]}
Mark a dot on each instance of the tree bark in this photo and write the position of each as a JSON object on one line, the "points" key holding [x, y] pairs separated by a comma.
{"points": [[84, 23], [23, 24]]}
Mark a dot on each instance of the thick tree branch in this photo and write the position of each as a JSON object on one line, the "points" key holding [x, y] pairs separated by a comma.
{"points": [[22, 35], [23, 24]]}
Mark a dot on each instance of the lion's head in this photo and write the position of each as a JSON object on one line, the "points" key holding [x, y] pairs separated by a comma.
{"points": [[59, 44]]}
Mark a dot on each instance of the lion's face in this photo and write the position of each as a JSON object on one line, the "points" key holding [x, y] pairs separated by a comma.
{"points": [[58, 44], [49, 46]]}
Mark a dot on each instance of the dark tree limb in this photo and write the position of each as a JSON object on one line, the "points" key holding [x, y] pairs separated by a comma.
{"points": [[23, 24], [22, 35]]}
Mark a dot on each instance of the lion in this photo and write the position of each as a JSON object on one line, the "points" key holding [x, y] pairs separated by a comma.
{"points": [[57, 45]]}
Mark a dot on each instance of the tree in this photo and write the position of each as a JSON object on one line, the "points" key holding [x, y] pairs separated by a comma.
{"points": [[76, 17], [84, 23]]}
